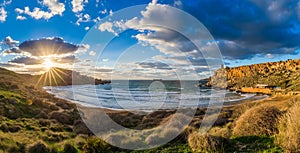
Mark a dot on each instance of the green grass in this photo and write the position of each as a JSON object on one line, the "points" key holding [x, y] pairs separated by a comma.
{"points": [[253, 144], [9, 94], [179, 147]]}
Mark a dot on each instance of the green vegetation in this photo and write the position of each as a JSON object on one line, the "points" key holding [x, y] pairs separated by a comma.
{"points": [[32, 120]]}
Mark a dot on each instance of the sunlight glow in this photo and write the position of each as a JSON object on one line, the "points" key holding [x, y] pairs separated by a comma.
{"points": [[48, 64]]}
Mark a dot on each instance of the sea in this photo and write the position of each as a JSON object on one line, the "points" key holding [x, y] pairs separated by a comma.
{"points": [[145, 95]]}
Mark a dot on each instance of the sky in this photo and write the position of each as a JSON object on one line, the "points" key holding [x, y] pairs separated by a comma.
{"points": [[146, 39]]}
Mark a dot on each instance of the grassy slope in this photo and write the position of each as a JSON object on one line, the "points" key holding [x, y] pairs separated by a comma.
{"points": [[26, 115]]}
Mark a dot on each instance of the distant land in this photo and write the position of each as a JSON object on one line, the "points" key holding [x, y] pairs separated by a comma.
{"points": [[63, 77], [284, 75]]}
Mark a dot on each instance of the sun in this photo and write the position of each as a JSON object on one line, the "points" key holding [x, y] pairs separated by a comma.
{"points": [[48, 64]]}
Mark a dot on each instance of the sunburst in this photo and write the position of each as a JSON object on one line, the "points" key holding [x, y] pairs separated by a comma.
{"points": [[48, 64], [52, 78]]}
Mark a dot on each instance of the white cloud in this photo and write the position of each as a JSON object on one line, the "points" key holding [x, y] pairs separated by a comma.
{"points": [[154, 2], [20, 17], [111, 13], [83, 18], [6, 2], [97, 19], [92, 53], [37, 13], [106, 26], [87, 28], [54, 8], [105, 60], [270, 56], [83, 48], [177, 3], [104, 11], [3, 14], [18, 10], [77, 5], [9, 41]]}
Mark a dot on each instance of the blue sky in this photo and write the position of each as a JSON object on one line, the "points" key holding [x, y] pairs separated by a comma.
{"points": [[246, 32]]}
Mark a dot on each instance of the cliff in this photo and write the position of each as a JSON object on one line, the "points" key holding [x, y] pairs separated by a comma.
{"points": [[284, 74]]}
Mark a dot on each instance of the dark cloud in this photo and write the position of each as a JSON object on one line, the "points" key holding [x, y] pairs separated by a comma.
{"points": [[12, 51], [26, 61], [256, 27], [9, 65], [45, 47], [155, 65], [103, 70], [68, 59]]}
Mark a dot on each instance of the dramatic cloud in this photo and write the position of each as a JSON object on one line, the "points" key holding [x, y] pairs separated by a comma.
{"points": [[154, 65], [3, 14], [45, 47], [66, 60], [8, 41], [253, 27], [26, 61], [9, 65]]}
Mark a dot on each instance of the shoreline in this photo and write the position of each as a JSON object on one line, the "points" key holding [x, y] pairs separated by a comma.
{"points": [[248, 97]]}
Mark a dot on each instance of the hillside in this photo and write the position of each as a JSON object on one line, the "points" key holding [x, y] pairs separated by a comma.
{"points": [[284, 74], [62, 77]]}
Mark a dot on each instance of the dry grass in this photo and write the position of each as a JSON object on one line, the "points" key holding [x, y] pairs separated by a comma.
{"points": [[257, 121], [289, 130], [224, 132], [205, 143]]}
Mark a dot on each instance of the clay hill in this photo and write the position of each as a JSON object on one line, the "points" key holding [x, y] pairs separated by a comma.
{"points": [[282, 74]]}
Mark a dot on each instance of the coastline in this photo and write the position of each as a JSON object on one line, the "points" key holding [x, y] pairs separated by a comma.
{"points": [[246, 97]]}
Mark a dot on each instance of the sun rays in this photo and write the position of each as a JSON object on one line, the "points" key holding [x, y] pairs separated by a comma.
{"points": [[54, 77], [48, 64]]}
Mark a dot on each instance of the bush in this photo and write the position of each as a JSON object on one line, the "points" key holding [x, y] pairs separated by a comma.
{"points": [[205, 142], [68, 148], [38, 148], [62, 117], [257, 121], [96, 145], [289, 130]]}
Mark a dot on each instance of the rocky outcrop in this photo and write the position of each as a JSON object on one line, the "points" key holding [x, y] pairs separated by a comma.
{"points": [[284, 74]]}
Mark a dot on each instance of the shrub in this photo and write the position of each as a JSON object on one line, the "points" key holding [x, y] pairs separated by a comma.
{"points": [[224, 132], [62, 117], [289, 130], [259, 120], [153, 139], [38, 148], [205, 142], [68, 148], [96, 145]]}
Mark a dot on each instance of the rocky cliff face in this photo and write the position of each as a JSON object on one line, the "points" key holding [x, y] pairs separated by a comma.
{"points": [[285, 74]]}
